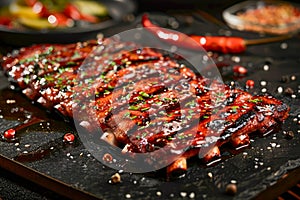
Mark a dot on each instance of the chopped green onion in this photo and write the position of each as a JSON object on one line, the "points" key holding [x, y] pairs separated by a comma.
{"points": [[144, 109], [134, 107], [133, 117], [144, 94]]}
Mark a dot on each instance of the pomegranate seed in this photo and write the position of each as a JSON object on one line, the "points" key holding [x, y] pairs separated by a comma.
{"points": [[240, 70], [9, 134], [250, 83], [69, 137]]}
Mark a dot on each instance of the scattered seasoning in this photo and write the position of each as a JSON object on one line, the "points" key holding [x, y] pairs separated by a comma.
{"points": [[10, 101], [236, 59], [107, 157], [183, 194], [9, 134], [210, 175], [240, 70], [280, 89], [231, 189], [192, 195], [263, 83], [273, 144], [233, 181], [250, 83], [283, 45], [69, 137], [285, 79], [293, 77], [158, 193], [266, 67], [264, 90], [116, 178], [289, 91]]}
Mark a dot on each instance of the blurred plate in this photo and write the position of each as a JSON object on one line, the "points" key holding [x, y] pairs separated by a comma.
{"points": [[274, 17], [117, 10]]}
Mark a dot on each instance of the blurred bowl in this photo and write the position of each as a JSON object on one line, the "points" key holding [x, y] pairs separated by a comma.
{"points": [[274, 17], [117, 11]]}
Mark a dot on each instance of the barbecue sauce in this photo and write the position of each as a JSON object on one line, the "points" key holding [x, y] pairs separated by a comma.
{"points": [[17, 110]]}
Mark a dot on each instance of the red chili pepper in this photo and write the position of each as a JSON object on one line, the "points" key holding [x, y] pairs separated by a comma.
{"points": [[6, 21], [221, 43], [169, 36], [89, 18], [210, 43], [30, 2], [72, 12], [41, 9], [62, 20]]}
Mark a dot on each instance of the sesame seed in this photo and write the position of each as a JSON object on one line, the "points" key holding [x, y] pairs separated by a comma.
{"points": [[283, 45], [266, 67], [263, 83], [279, 89], [192, 195], [293, 77], [233, 181], [236, 59], [183, 194], [210, 175], [273, 144]]}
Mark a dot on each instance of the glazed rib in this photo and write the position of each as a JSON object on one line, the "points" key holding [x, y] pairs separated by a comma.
{"points": [[146, 99]]}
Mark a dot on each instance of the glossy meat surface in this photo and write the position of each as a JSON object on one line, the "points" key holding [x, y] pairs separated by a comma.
{"points": [[146, 99]]}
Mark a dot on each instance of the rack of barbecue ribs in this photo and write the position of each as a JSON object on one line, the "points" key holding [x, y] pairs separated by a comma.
{"points": [[144, 100]]}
